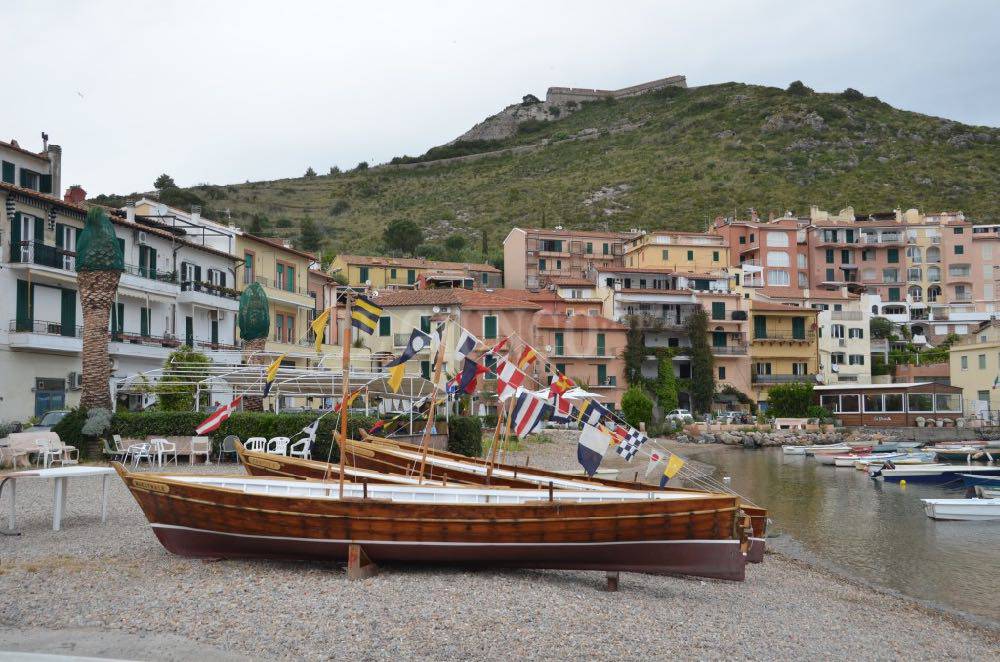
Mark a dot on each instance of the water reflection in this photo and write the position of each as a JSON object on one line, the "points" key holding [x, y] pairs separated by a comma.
{"points": [[869, 528]]}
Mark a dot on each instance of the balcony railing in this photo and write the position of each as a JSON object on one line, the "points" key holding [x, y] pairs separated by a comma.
{"points": [[201, 343], [137, 338], [598, 353], [729, 349], [209, 288], [648, 321], [782, 379], [34, 252], [151, 273], [806, 337], [846, 315], [608, 382], [46, 328], [267, 282], [881, 239]]}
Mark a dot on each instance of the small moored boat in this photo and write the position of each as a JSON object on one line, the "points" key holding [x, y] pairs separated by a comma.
{"points": [[936, 473], [962, 509]]}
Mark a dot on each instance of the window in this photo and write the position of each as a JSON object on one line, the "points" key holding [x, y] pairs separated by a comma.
{"points": [[248, 268], [666, 254], [982, 361], [799, 328], [290, 328], [363, 274], [690, 256], [425, 369], [893, 294], [600, 344], [590, 248], [830, 402], [718, 310], [743, 239], [837, 358], [856, 332], [800, 369], [759, 326], [856, 359], [830, 276], [715, 256], [762, 368], [279, 327], [983, 396], [873, 403], [8, 172], [606, 250], [803, 280], [845, 257], [776, 239], [145, 315], [777, 277], [959, 230], [890, 275], [751, 238], [392, 273], [948, 402], [850, 403], [490, 326], [722, 372], [541, 264], [829, 256], [959, 250], [602, 375], [425, 323], [490, 361], [411, 276], [777, 259], [384, 327], [892, 255], [893, 403], [838, 331]]}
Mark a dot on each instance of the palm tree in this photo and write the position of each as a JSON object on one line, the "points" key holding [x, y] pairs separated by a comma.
{"points": [[99, 266], [255, 321]]}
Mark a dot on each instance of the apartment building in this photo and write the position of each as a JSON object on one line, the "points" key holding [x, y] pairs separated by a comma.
{"points": [[586, 349], [771, 255], [391, 272], [974, 365], [680, 252], [40, 172], [532, 257], [783, 347]]}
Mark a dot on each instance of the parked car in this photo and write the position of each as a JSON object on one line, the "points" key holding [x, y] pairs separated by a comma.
{"points": [[680, 415], [49, 420]]}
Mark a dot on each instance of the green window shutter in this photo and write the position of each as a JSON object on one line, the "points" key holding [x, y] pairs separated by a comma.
{"points": [[24, 178], [290, 279], [602, 374], [718, 310], [892, 255], [384, 327], [151, 263], [189, 331], [425, 369], [8, 172], [690, 256], [590, 248], [560, 344], [60, 229], [541, 264], [425, 323], [144, 321], [392, 274], [39, 230], [893, 294], [45, 183], [799, 328], [605, 248], [67, 320], [411, 276], [718, 339], [279, 276], [363, 275], [715, 256], [197, 272], [600, 344], [215, 332], [759, 326], [561, 368], [15, 238], [490, 326], [23, 306]]}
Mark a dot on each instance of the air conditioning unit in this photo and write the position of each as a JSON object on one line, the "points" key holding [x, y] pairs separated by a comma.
{"points": [[142, 238], [114, 364], [74, 381]]}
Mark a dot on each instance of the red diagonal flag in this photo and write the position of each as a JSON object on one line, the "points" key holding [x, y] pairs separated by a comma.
{"points": [[217, 417]]}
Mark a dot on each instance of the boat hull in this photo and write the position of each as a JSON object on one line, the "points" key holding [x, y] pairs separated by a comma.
{"points": [[924, 474], [233, 517], [718, 559], [972, 480], [963, 509]]}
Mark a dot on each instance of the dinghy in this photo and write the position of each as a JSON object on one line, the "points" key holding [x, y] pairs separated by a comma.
{"points": [[963, 509], [972, 480], [651, 531], [984, 492], [936, 473]]}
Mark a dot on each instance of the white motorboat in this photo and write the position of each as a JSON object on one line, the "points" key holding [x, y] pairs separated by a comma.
{"points": [[963, 509], [984, 492], [851, 460], [936, 473], [828, 448]]}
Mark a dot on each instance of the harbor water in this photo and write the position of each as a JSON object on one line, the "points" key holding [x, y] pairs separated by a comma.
{"points": [[870, 529]]}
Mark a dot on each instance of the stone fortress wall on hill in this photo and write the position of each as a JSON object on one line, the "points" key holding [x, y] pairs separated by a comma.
{"points": [[562, 95]]}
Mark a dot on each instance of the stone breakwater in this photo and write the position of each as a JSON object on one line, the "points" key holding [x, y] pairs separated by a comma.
{"points": [[766, 439]]}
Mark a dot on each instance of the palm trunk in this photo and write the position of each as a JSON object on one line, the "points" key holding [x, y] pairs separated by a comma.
{"points": [[253, 354], [97, 294]]}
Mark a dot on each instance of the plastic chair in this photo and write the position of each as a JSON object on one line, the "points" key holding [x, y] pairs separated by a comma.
{"points": [[256, 444], [162, 448], [140, 452], [303, 447], [277, 446], [201, 446], [111, 454], [228, 447], [46, 455]]}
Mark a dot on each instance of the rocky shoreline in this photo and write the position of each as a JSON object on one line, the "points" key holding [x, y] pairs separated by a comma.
{"points": [[766, 439]]}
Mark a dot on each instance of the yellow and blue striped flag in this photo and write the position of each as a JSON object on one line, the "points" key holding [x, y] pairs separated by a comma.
{"points": [[365, 314]]}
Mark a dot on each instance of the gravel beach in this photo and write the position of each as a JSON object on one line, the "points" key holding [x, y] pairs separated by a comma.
{"points": [[112, 590]]}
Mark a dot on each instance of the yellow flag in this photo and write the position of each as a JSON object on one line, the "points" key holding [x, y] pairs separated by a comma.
{"points": [[272, 370], [396, 376], [319, 325], [674, 465]]}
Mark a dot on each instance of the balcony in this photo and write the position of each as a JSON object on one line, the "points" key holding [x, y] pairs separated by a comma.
{"points": [[783, 379], [881, 240], [607, 382], [41, 336], [729, 350], [293, 295], [846, 315], [147, 279], [52, 260], [658, 322], [131, 343], [598, 353], [209, 295], [808, 336]]}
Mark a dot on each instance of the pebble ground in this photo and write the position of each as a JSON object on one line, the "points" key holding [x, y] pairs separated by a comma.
{"points": [[111, 588]]}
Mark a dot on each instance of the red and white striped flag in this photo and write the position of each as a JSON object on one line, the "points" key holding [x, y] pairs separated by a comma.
{"points": [[509, 379], [216, 419]]}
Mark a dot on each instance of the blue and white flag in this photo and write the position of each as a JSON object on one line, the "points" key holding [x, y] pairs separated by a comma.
{"points": [[591, 413], [466, 343], [591, 448]]}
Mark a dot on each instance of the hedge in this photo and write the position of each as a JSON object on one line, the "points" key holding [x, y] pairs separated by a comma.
{"points": [[243, 424], [465, 436]]}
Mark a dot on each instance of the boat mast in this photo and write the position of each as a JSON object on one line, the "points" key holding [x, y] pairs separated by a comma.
{"points": [[438, 366], [346, 367]]}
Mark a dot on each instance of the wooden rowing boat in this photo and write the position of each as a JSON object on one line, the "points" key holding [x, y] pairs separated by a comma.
{"points": [[651, 531], [394, 459]]}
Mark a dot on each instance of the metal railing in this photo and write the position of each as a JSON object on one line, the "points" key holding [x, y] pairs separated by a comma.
{"points": [[729, 349], [807, 336], [846, 315], [209, 288], [881, 239], [34, 252], [138, 338], [597, 353], [151, 273], [267, 282], [782, 379], [45, 328]]}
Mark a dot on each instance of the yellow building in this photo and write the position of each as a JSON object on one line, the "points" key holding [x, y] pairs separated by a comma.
{"points": [[392, 272], [783, 346], [283, 272], [975, 366], [677, 251]]}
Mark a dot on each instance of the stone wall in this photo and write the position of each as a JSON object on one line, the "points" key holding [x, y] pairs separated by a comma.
{"points": [[561, 95]]}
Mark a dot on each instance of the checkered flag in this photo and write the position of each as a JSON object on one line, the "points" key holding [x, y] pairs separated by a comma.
{"points": [[631, 441]]}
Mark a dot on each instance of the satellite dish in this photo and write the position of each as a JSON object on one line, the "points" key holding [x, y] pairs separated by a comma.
{"points": [[436, 310], [368, 283], [374, 293], [548, 348]]}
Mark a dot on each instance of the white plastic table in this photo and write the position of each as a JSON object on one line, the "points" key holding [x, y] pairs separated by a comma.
{"points": [[61, 476]]}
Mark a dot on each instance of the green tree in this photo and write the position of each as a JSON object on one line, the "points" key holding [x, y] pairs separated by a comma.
{"points": [[164, 181], [259, 225], [403, 236], [176, 391], [637, 407], [310, 172], [880, 328], [455, 246], [790, 400], [702, 362], [310, 237], [798, 88], [665, 388], [634, 352]]}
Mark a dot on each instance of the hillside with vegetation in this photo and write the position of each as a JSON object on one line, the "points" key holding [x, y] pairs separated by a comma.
{"points": [[671, 159]]}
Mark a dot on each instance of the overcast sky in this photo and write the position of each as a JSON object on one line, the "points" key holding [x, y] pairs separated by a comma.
{"points": [[224, 92]]}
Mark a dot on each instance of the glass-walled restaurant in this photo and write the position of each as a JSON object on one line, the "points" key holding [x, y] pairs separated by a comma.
{"points": [[890, 405]]}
